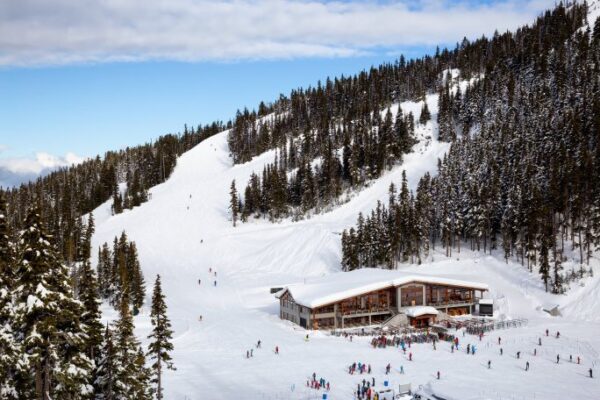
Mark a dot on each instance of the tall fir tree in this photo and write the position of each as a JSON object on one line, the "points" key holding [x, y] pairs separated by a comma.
{"points": [[161, 337]]}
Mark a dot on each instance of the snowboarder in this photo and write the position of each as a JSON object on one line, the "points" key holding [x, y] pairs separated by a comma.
{"points": [[276, 349], [527, 366], [489, 364], [557, 358]]}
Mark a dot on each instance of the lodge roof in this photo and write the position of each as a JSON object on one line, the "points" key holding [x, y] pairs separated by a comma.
{"points": [[318, 292]]}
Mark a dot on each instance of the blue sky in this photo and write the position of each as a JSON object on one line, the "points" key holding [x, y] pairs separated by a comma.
{"points": [[80, 78]]}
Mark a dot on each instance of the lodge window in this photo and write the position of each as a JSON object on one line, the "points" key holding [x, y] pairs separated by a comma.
{"points": [[412, 296]]}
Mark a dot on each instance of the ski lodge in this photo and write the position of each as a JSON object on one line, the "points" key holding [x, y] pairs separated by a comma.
{"points": [[375, 297]]}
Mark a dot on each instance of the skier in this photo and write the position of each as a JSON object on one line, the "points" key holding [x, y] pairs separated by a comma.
{"points": [[438, 375], [215, 283], [557, 358], [499, 340], [489, 364], [199, 281], [535, 352], [276, 349], [402, 369], [546, 332], [410, 356], [247, 354], [215, 274], [251, 352], [557, 334], [469, 348], [306, 338], [373, 382], [369, 369], [539, 341], [210, 270], [578, 360], [200, 318], [518, 354], [527, 366], [387, 369], [501, 351], [258, 345], [570, 357], [591, 373]]}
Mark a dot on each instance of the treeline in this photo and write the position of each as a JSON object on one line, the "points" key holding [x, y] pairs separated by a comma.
{"points": [[119, 271], [53, 344], [295, 183], [66, 194], [523, 173]]}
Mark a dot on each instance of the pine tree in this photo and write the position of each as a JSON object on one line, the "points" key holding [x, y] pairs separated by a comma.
{"points": [[161, 337], [136, 278], [425, 114], [107, 384], [9, 348], [130, 370], [48, 322], [88, 296], [234, 203]]}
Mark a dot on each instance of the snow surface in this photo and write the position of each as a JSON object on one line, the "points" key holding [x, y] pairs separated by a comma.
{"points": [[184, 230], [332, 288], [417, 311]]}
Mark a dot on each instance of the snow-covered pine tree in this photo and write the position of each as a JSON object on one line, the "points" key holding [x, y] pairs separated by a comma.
{"points": [[107, 384], [88, 296], [53, 363], [128, 369], [9, 348], [161, 337]]}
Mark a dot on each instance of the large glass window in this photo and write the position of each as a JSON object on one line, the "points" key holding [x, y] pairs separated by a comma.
{"points": [[412, 296]]}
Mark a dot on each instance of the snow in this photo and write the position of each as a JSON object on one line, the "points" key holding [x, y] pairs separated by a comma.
{"points": [[342, 285], [418, 311], [486, 301], [257, 256]]}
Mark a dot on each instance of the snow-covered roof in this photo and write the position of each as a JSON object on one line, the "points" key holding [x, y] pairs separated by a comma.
{"points": [[417, 311], [486, 301], [342, 285]]}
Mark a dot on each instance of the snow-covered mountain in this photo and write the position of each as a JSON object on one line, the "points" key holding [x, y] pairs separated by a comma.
{"points": [[185, 229]]}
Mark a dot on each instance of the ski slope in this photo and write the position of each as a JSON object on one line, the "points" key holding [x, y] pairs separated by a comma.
{"points": [[185, 229]]}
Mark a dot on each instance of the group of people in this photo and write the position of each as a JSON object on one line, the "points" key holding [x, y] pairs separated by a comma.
{"points": [[360, 367], [317, 384], [366, 391]]}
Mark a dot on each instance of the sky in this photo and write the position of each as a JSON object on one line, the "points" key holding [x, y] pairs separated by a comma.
{"points": [[80, 78]]}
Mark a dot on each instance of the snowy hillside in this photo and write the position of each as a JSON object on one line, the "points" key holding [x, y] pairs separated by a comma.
{"points": [[185, 229]]}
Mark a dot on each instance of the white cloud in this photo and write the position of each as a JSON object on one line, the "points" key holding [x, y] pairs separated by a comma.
{"points": [[42, 32], [14, 171]]}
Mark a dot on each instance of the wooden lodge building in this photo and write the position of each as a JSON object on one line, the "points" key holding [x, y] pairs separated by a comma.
{"points": [[373, 296]]}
